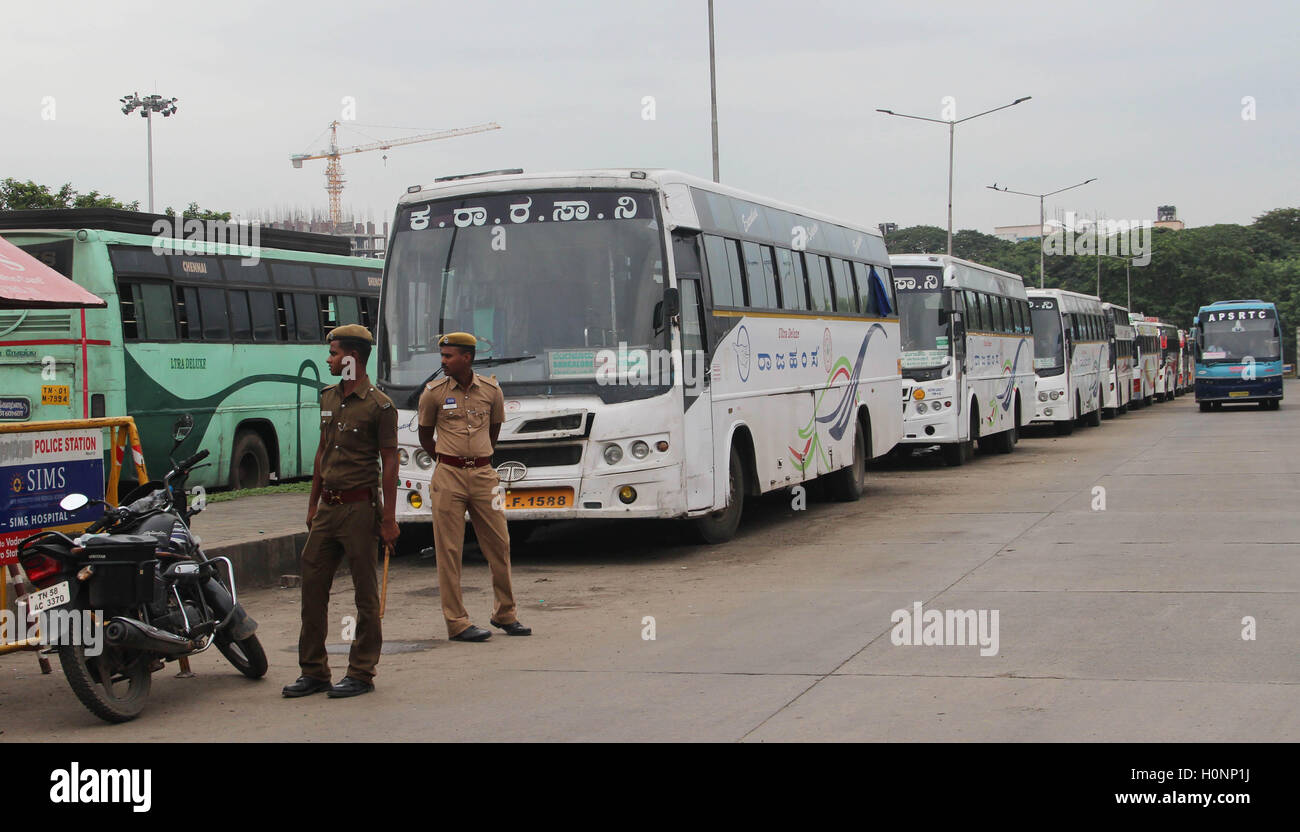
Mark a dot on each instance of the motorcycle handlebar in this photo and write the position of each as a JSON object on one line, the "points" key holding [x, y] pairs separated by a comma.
{"points": [[192, 461]]}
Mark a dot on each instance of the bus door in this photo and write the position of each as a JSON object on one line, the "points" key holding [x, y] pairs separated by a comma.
{"points": [[697, 391]]}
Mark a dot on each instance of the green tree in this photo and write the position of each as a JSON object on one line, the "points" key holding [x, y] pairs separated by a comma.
{"points": [[193, 211], [1284, 222], [17, 196]]}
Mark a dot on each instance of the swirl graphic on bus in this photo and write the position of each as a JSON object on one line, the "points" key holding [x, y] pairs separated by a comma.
{"points": [[743, 353], [841, 415], [1009, 370]]}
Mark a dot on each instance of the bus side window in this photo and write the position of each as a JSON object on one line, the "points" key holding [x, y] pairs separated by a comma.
{"points": [[370, 312], [818, 283], [308, 316], [886, 276], [241, 323], [755, 280], [973, 319], [262, 305], [216, 320], [792, 291], [187, 307], [845, 296], [147, 313], [692, 316], [288, 323], [721, 280], [769, 276]]}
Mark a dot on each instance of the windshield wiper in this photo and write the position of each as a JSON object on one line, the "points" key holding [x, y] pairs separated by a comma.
{"points": [[493, 362], [413, 400]]}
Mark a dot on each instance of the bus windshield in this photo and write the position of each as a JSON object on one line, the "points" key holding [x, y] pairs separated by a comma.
{"points": [[926, 341], [544, 280], [1049, 346], [1232, 341]]}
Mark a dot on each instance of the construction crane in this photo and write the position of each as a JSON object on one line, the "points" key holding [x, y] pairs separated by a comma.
{"points": [[334, 168]]}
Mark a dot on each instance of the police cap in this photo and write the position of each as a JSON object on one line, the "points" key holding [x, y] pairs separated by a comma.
{"points": [[356, 331], [457, 339]]}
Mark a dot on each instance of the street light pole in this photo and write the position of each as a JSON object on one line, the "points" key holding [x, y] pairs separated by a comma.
{"points": [[713, 94], [952, 124], [147, 106], [1042, 217]]}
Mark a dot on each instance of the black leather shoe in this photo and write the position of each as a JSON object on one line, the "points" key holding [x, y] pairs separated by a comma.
{"points": [[305, 686], [349, 687], [514, 628], [472, 633]]}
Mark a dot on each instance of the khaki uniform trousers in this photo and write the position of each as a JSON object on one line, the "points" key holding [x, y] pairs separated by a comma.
{"points": [[348, 530], [453, 491]]}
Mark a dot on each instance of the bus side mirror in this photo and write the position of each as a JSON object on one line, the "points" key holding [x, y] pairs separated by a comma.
{"points": [[672, 302], [946, 306]]}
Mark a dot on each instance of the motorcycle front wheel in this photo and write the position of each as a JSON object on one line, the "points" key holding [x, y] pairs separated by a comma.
{"points": [[247, 656], [113, 685]]}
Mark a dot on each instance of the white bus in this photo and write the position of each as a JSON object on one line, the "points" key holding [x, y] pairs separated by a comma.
{"points": [[1147, 336], [968, 370], [1118, 388], [666, 345], [1167, 371], [1069, 357]]}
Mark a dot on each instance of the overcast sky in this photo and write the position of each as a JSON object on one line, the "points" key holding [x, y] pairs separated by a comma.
{"points": [[1145, 96]]}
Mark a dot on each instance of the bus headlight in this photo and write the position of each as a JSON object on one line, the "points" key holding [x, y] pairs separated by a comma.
{"points": [[1042, 395], [613, 454], [920, 407], [1055, 394], [640, 449], [423, 460], [403, 457]]}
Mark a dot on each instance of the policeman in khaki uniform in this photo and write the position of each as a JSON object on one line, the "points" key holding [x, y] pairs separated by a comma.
{"points": [[358, 426], [460, 419]]}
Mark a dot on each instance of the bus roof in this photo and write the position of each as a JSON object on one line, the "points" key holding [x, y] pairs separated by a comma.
{"points": [[143, 223], [628, 178], [965, 274], [1239, 304]]}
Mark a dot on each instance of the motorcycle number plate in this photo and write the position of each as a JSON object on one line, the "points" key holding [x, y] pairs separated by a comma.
{"points": [[49, 598]]}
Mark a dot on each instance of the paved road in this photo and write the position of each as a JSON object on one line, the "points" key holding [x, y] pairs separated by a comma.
{"points": [[1122, 624]]}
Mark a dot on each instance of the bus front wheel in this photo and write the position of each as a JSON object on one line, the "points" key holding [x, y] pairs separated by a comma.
{"points": [[720, 526], [250, 465]]}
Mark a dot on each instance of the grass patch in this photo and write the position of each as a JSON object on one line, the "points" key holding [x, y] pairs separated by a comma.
{"points": [[303, 487]]}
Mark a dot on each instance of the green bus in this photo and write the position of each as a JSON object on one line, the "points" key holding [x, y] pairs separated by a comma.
{"points": [[234, 336]]}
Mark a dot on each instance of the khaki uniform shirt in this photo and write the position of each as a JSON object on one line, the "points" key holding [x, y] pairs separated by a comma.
{"points": [[462, 417], [352, 431]]}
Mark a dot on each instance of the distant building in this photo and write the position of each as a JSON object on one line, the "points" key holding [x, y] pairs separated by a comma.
{"points": [[367, 240], [1167, 217]]}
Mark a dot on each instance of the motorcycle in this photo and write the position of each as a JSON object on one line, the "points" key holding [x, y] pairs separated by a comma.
{"points": [[141, 576]]}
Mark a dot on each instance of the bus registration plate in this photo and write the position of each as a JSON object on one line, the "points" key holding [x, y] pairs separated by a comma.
{"points": [[54, 394], [1235, 393], [525, 498]]}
